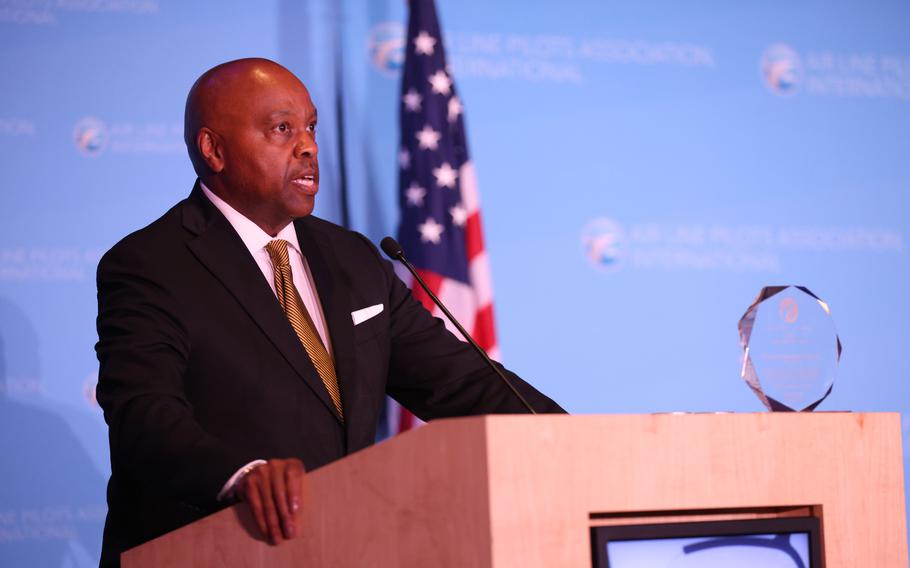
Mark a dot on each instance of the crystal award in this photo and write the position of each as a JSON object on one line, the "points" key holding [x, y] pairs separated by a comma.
{"points": [[790, 348]]}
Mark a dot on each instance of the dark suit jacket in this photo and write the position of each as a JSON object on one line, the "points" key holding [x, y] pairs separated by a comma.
{"points": [[201, 372]]}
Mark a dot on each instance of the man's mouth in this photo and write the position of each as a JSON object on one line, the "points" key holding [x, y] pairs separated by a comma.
{"points": [[308, 180]]}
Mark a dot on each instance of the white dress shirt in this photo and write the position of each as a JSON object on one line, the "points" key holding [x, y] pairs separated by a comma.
{"points": [[255, 240]]}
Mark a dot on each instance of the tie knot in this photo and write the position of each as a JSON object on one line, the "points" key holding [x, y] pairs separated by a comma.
{"points": [[278, 252]]}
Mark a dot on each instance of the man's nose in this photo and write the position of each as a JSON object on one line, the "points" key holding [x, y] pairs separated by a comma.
{"points": [[306, 146]]}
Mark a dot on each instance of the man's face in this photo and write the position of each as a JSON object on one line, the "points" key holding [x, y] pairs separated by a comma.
{"points": [[267, 130]]}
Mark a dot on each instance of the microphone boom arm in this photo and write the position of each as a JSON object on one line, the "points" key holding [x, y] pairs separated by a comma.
{"points": [[393, 249]]}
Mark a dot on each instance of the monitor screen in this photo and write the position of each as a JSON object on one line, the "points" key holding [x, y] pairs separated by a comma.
{"points": [[751, 543]]}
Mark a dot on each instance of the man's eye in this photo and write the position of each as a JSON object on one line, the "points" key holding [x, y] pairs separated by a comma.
{"points": [[283, 127], [311, 127]]}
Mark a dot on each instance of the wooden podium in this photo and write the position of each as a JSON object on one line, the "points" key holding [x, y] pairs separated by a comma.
{"points": [[524, 491]]}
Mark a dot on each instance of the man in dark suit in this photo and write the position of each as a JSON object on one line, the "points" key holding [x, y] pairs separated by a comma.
{"points": [[242, 340]]}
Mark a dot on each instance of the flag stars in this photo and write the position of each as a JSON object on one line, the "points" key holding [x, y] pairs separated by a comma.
{"points": [[445, 175], [428, 138], [404, 158], [415, 195], [430, 231], [412, 100], [459, 215], [440, 82], [424, 44], [455, 109]]}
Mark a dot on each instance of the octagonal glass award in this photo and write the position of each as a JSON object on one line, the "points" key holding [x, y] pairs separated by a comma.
{"points": [[790, 348]]}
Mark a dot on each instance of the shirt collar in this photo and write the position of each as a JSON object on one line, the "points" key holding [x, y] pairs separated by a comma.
{"points": [[250, 233]]}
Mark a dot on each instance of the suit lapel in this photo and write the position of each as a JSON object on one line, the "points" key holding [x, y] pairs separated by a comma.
{"points": [[334, 291], [221, 250]]}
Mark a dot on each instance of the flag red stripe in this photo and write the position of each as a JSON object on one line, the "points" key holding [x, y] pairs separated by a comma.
{"points": [[434, 283], [406, 420], [473, 235], [484, 330]]}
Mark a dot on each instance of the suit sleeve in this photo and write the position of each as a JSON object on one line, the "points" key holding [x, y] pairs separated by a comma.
{"points": [[143, 349], [434, 374]]}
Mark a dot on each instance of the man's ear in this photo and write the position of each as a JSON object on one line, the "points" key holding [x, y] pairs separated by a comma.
{"points": [[209, 145]]}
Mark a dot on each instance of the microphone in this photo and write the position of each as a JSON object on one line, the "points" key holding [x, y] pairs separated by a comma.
{"points": [[394, 251]]}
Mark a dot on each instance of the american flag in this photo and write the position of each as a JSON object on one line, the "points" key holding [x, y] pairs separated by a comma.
{"points": [[440, 229]]}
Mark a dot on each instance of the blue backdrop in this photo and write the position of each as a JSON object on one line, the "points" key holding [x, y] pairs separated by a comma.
{"points": [[714, 148]]}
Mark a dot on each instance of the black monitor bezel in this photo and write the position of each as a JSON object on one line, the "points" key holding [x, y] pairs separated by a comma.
{"points": [[601, 535]]}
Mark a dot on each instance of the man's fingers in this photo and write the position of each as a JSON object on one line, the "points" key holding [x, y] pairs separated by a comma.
{"points": [[251, 494], [293, 476], [273, 491], [268, 504], [279, 494]]}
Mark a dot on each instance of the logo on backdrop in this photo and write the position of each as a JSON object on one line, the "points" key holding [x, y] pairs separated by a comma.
{"points": [[780, 68], [784, 71], [602, 240], [544, 57], [386, 45], [94, 137], [90, 136], [609, 246]]}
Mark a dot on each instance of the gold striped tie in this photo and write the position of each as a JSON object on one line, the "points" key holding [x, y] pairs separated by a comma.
{"points": [[301, 321]]}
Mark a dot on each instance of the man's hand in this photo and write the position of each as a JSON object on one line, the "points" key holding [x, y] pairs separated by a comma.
{"points": [[273, 492]]}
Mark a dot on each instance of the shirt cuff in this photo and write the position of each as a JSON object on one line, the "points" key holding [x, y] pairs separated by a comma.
{"points": [[227, 492]]}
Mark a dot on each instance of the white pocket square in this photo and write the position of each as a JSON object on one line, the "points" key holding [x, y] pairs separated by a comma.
{"points": [[362, 315]]}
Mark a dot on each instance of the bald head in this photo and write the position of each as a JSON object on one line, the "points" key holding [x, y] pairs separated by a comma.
{"points": [[250, 129], [221, 92]]}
